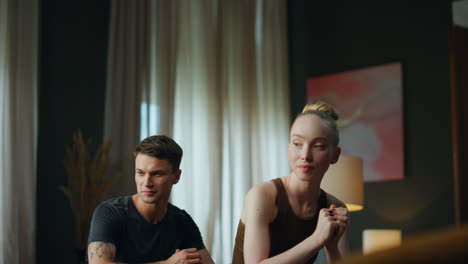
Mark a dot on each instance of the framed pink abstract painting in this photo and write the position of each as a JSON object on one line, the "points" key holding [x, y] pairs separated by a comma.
{"points": [[370, 104]]}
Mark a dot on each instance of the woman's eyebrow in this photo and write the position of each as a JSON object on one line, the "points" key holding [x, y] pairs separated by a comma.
{"points": [[297, 135], [315, 139]]}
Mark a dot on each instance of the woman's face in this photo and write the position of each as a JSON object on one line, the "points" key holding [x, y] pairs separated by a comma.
{"points": [[310, 148]]}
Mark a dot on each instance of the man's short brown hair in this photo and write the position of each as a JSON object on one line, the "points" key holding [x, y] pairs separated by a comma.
{"points": [[161, 147]]}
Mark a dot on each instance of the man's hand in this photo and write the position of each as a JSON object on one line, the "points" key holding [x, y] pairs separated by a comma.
{"points": [[184, 256]]}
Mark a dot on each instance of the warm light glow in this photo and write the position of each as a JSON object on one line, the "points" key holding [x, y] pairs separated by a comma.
{"points": [[344, 180], [379, 239]]}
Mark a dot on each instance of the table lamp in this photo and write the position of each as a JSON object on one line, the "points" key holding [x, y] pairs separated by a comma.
{"points": [[344, 180], [379, 239]]}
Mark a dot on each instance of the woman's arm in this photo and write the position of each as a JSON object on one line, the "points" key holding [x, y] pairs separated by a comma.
{"points": [[259, 212], [338, 244]]}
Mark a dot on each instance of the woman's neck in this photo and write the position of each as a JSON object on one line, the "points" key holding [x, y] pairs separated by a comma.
{"points": [[300, 189]]}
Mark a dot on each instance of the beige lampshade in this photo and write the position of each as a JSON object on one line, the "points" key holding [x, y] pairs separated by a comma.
{"points": [[379, 239], [344, 180]]}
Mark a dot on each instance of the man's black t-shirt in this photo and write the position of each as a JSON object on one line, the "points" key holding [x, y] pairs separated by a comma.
{"points": [[118, 222]]}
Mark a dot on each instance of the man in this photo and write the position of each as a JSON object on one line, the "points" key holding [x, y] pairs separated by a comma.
{"points": [[145, 227]]}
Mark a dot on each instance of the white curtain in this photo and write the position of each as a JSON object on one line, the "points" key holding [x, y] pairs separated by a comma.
{"points": [[127, 65], [18, 130], [218, 84]]}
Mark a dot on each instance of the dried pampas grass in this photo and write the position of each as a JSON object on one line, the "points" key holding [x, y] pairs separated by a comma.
{"points": [[88, 183]]}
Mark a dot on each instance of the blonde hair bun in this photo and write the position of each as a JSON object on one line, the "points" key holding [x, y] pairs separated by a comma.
{"points": [[321, 107]]}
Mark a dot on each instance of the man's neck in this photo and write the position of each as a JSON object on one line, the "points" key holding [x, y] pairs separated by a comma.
{"points": [[153, 213]]}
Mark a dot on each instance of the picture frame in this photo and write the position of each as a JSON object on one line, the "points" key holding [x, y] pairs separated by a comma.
{"points": [[370, 104]]}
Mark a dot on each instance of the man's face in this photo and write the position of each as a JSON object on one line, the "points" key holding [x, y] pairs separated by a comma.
{"points": [[154, 178]]}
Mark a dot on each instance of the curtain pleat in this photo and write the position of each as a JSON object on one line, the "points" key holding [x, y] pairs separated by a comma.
{"points": [[217, 83], [127, 78], [18, 129]]}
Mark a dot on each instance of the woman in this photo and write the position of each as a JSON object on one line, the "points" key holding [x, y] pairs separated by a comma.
{"points": [[289, 219]]}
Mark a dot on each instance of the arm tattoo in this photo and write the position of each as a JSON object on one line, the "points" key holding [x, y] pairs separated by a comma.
{"points": [[101, 250], [104, 251]]}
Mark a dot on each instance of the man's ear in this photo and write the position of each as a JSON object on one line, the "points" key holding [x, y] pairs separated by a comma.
{"points": [[336, 155], [177, 176]]}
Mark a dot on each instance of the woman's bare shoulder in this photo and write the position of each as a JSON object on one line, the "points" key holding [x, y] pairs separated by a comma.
{"points": [[260, 198], [265, 188], [265, 192]]}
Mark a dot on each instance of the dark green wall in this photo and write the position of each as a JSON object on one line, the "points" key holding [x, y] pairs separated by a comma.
{"points": [[330, 36], [324, 38], [72, 73]]}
